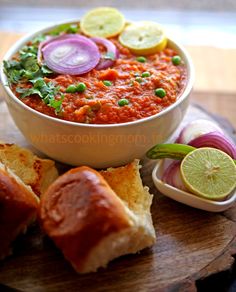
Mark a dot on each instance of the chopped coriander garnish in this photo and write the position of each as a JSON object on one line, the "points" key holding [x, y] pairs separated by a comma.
{"points": [[109, 56], [13, 70], [45, 70], [67, 28], [73, 28], [38, 39], [28, 91], [56, 104], [26, 69], [46, 91]]}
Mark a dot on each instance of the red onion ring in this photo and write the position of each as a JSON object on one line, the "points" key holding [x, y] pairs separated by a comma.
{"points": [[216, 140], [41, 45], [70, 54], [111, 49], [172, 176], [195, 129], [48, 40]]}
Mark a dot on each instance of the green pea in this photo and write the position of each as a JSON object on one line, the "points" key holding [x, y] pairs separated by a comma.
{"points": [[123, 102], [81, 87], [107, 83], [71, 88], [146, 74], [139, 79], [141, 59], [160, 92], [176, 60]]}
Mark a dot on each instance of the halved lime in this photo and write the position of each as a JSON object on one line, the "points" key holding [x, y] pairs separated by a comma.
{"points": [[209, 173], [144, 38], [102, 22]]}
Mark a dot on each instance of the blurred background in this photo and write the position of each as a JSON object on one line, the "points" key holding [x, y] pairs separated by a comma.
{"points": [[206, 28], [194, 22]]}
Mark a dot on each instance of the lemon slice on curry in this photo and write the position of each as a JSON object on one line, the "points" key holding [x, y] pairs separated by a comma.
{"points": [[102, 22], [144, 38]]}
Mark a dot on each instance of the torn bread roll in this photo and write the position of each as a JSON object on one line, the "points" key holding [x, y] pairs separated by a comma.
{"points": [[127, 184], [89, 222], [36, 172], [18, 208]]}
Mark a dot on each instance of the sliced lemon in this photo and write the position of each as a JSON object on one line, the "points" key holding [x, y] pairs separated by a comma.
{"points": [[144, 38], [102, 22], [209, 173]]}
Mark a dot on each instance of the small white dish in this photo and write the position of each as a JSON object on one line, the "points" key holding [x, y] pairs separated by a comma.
{"points": [[188, 198]]}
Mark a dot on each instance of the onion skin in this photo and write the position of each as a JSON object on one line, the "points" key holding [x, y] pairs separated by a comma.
{"points": [[172, 176], [215, 140], [195, 129], [111, 48], [41, 45]]}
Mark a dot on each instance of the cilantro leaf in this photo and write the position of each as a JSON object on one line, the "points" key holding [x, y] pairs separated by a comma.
{"points": [[46, 91], [109, 56], [38, 39], [45, 70], [66, 28], [57, 104], [28, 91], [26, 69]]}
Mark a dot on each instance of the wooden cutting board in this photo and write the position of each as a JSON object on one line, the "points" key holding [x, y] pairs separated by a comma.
{"points": [[191, 244]]}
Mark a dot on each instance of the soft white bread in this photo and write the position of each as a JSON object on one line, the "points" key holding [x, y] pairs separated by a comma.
{"points": [[18, 208], [35, 172], [127, 184], [90, 223]]}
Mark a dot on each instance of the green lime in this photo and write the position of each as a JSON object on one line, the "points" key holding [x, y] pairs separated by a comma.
{"points": [[209, 173]]}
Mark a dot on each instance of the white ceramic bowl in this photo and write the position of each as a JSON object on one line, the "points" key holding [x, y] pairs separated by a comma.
{"points": [[98, 146]]}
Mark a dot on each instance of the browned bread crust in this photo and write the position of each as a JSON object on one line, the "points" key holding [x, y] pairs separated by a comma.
{"points": [[33, 171], [78, 211], [18, 207]]}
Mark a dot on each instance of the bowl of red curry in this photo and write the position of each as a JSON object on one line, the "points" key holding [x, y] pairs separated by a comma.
{"points": [[85, 98]]}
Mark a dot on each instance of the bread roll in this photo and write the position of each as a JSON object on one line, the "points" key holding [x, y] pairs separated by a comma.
{"points": [[33, 171], [89, 222], [18, 208], [127, 184]]}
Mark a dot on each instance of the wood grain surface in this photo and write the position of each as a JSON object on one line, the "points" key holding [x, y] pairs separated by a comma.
{"points": [[191, 244]]}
